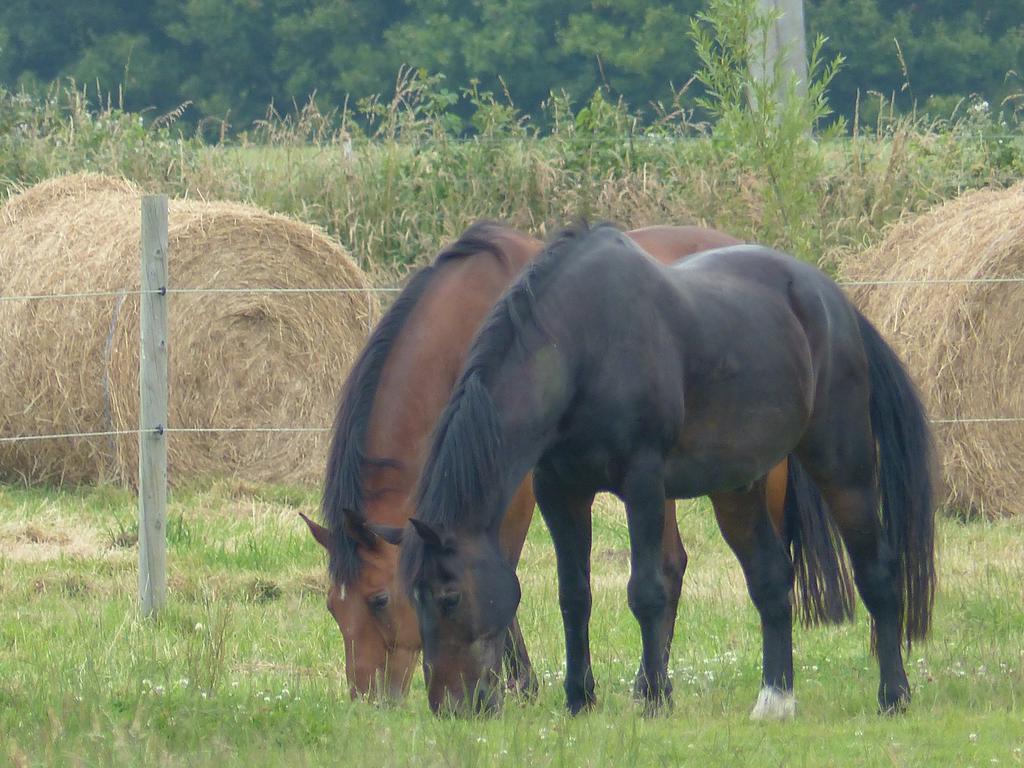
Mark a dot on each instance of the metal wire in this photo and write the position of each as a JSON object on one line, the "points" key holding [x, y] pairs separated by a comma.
{"points": [[283, 290], [136, 292], [935, 281], [57, 436], [987, 420], [300, 430], [85, 295], [202, 430]]}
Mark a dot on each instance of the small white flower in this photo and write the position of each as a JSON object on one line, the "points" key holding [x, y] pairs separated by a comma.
{"points": [[199, 628], [973, 738]]}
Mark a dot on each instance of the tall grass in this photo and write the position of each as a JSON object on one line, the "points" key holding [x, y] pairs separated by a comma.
{"points": [[397, 184]]}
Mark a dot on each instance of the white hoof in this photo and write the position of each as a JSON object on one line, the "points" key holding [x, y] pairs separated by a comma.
{"points": [[774, 704]]}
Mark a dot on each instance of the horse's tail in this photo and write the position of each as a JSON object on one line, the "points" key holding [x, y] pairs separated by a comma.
{"points": [[904, 477], [824, 589]]}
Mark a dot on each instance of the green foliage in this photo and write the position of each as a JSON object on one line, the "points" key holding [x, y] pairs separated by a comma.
{"points": [[763, 125], [230, 58], [930, 55]]}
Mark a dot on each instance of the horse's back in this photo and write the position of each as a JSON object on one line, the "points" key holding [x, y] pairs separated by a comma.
{"points": [[668, 244]]}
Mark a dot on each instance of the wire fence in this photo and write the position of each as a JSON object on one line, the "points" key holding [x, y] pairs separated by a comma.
{"points": [[390, 290]]}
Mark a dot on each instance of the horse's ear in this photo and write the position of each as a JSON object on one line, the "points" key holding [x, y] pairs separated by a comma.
{"points": [[432, 536], [389, 533], [321, 534], [358, 530]]}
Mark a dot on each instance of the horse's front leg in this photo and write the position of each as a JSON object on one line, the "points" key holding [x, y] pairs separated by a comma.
{"points": [[643, 492], [522, 679], [673, 566], [567, 516]]}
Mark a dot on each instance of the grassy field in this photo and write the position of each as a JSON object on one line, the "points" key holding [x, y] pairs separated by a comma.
{"points": [[245, 665], [410, 186]]}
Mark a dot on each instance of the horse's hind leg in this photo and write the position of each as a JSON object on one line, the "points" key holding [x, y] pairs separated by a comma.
{"points": [[673, 566], [568, 518], [876, 576], [745, 523], [840, 456]]}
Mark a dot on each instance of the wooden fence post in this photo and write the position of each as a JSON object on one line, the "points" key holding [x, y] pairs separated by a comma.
{"points": [[153, 407], [786, 40]]}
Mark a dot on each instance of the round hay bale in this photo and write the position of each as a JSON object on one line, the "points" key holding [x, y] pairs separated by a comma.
{"points": [[235, 359], [960, 341]]}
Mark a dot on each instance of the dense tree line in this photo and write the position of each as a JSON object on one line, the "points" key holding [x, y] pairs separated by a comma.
{"points": [[232, 58]]}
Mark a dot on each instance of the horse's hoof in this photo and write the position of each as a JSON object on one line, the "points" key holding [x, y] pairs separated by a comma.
{"points": [[526, 686], [654, 703], [576, 706], [642, 688], [578, 701], [640, 685], [774, 704], [896, 703], [661, 705]]}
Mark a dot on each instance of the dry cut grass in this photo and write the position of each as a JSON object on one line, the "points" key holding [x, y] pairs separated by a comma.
{"points": [[237, 359], [961, 341]]}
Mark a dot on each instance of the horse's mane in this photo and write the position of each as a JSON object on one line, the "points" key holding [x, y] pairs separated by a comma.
{"points": [[347, 458], [461, 473]]}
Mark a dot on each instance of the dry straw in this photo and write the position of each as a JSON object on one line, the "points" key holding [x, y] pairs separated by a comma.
{"points": [[236, 359], [961, 341]]}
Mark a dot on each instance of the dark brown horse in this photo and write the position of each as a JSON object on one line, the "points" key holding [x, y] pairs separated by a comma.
{"points": [[604, 370], [390, 404]]}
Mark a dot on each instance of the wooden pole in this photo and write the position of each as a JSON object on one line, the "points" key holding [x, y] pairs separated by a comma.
{"points": [[153, 407], [786, 39]]}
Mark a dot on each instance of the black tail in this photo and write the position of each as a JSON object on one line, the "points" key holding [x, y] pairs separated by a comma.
{"points": [[823, 584], [904, 475]]}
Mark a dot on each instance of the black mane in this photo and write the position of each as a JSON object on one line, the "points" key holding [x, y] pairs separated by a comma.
{"points": [[346, 458], [461, 473]]}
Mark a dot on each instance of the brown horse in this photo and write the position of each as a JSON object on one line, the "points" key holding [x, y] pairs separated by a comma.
{"points": [[390, 403]]}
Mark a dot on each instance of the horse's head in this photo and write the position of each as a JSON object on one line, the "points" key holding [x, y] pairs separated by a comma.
{"points": [[377, 622], [465, 594]]}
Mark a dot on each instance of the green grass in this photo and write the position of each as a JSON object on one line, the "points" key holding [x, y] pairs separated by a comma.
{"points": [[403, 193], [245, 664]]}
